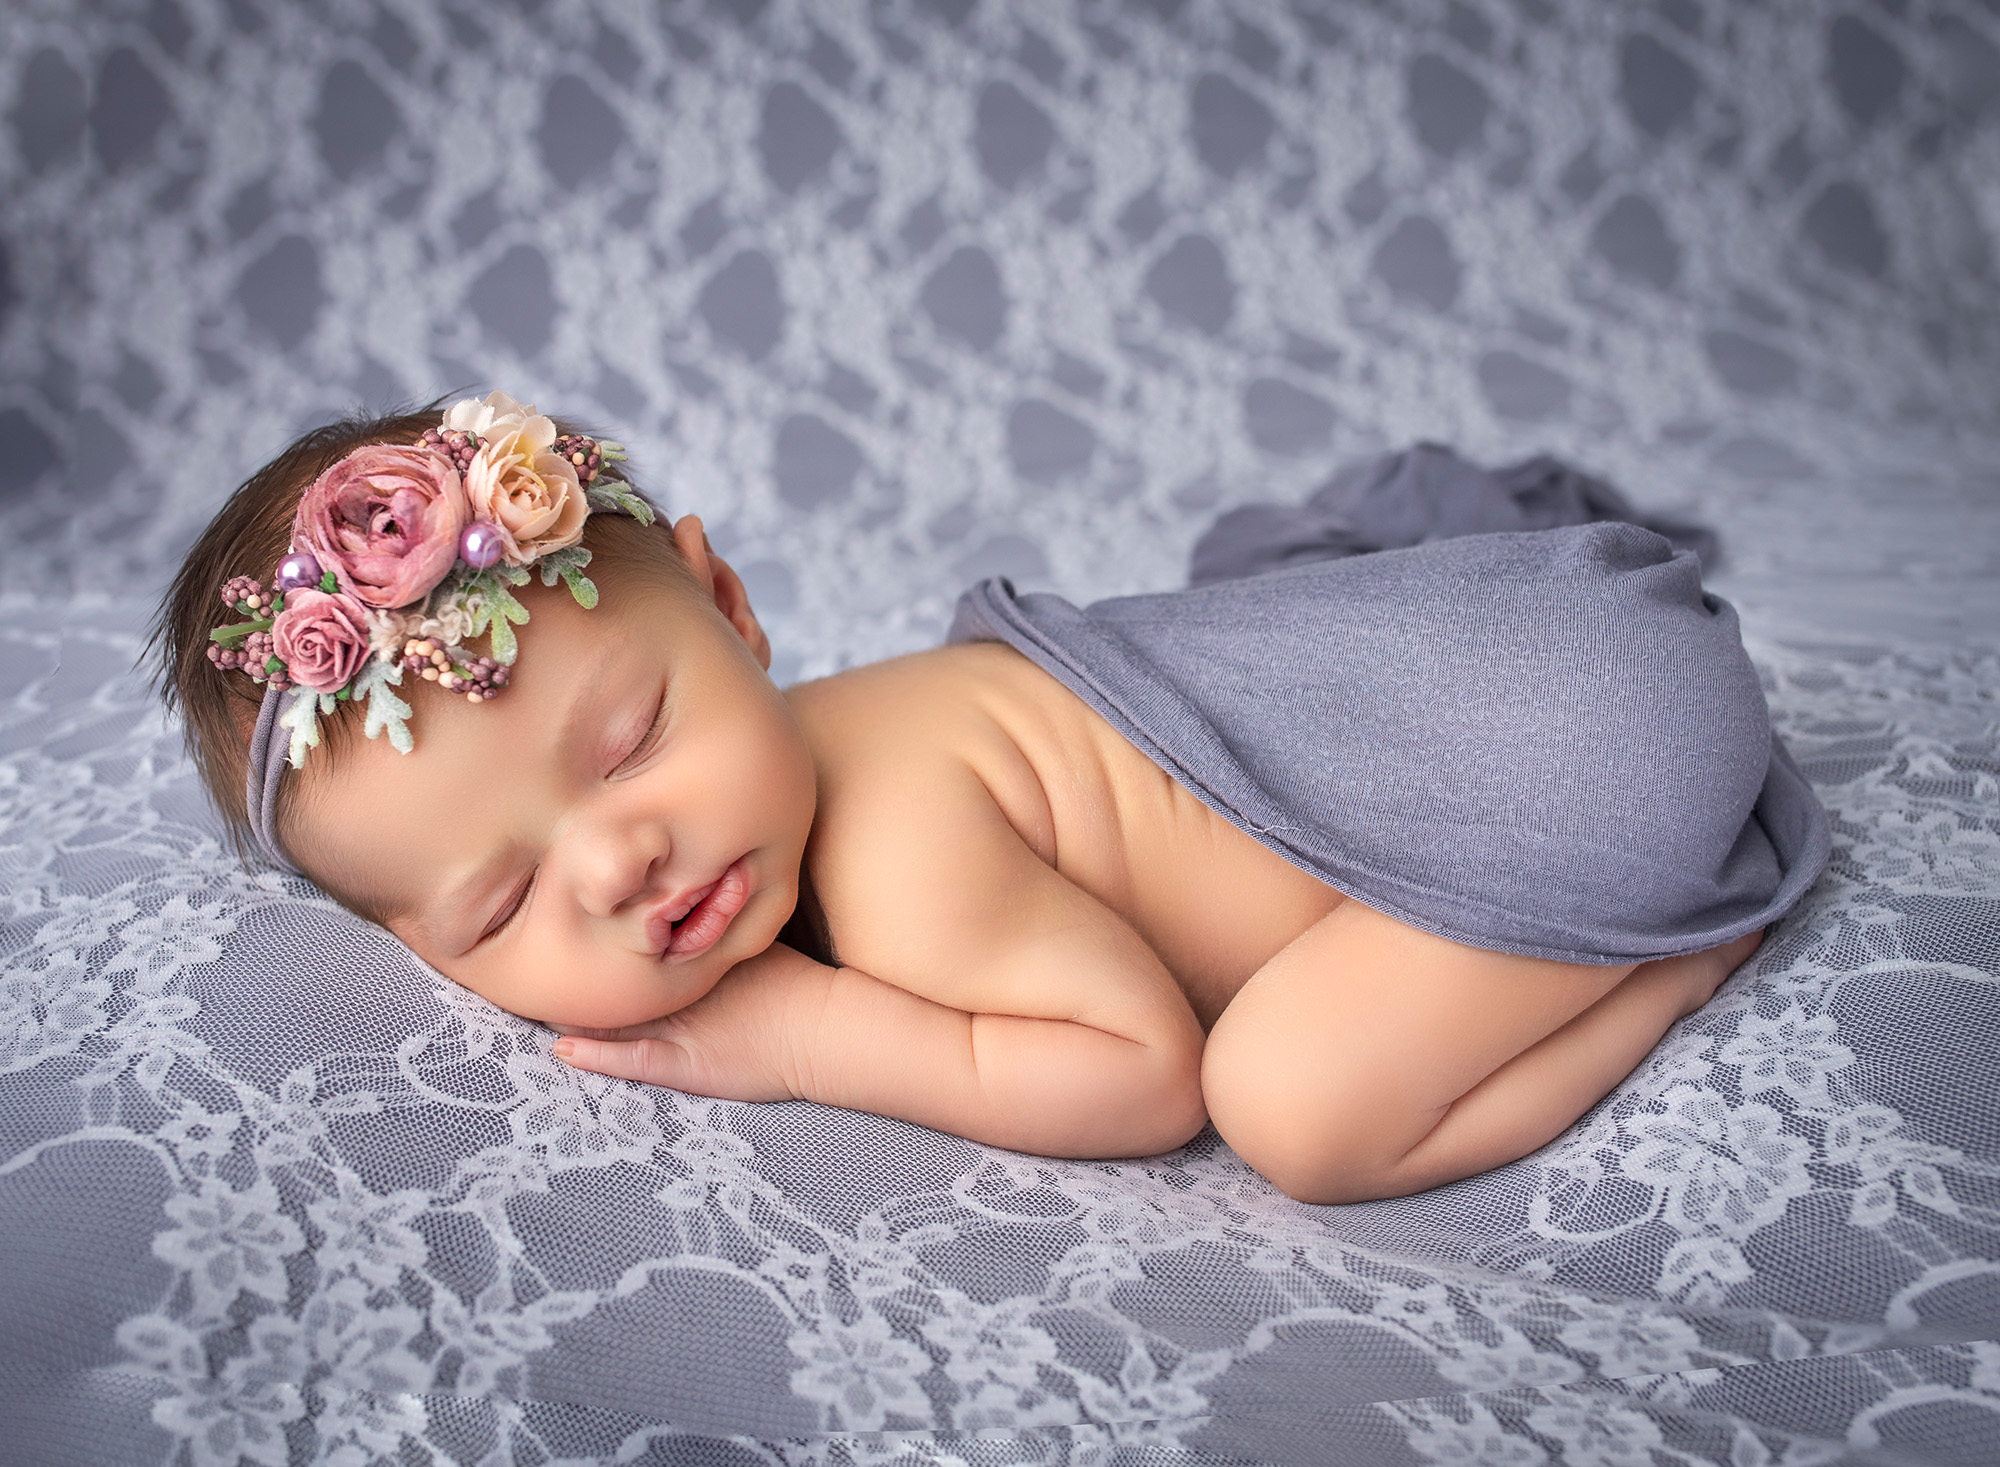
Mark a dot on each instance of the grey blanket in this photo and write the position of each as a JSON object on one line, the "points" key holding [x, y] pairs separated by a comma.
{"points": [[1547, 742], [1426, 493]]}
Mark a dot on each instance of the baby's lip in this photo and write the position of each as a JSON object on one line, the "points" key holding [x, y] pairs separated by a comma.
{"points": [[694, 918]]}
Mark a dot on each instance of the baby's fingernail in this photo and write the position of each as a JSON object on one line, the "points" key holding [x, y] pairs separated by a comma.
{"points": [[565, 1047]]}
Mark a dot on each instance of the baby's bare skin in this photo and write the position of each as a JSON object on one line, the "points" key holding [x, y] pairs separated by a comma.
{"points": [[1045, 942], [1210, 903], [1340, 1074]]}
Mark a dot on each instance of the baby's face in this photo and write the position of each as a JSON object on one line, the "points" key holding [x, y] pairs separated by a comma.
{"points": [[604, 840]]}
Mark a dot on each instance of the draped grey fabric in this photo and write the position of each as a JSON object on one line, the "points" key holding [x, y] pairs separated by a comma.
{"points": [[1410, 498], [1551, 743], [900, 295]]}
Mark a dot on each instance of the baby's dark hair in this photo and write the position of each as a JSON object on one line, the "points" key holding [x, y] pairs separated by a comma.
{"points": [[248, 537]]}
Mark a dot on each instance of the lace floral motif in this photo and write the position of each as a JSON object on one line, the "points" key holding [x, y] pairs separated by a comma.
{"points": [[896, 297]]}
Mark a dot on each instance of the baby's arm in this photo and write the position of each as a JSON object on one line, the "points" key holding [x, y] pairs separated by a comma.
{"points": [[986, 995]]}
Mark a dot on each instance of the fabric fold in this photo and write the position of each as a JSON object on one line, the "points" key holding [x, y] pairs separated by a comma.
{"points": [[1416, 496], [1548, 742]]}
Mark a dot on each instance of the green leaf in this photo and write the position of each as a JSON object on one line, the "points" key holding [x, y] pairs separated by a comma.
{"points": [[328, 583], [505, 610], [581, 587], [273, 664], [568, 563], [480, 587], [562, 562], [456, 579], [612, 495], [301, 715], [387, 713], [498, 607], [230, 636]]}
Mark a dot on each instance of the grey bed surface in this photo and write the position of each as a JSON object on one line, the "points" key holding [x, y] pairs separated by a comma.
{"points": [[896, 297]]}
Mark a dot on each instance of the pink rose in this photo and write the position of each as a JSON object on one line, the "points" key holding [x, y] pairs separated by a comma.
{"points": [[322, 639], [385, 520], [526, 488]]}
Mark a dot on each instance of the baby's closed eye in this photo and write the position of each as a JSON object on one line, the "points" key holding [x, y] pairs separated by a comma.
{"points": [[510, 909], [648, 740]]}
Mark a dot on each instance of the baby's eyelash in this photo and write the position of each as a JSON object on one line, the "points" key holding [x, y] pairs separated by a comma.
{"points": [[647, 742], [514, 909]]}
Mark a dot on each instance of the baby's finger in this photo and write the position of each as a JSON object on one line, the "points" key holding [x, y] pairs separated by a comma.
{"points": [[676, 1062], [650, 1061], [581, 1032]]}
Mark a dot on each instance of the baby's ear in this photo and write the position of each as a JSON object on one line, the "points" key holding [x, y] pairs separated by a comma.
{"points": [[721, 585]]}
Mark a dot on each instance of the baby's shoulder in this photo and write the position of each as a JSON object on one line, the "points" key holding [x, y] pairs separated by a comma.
{"points": [[913, 740], [927, 808], [944, 688]]}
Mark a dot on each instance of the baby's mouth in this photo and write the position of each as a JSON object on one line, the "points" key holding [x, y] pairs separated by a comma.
{"points": [[695, 921]]}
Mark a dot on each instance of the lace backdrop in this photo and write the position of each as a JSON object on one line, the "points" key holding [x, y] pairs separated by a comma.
{"points": [[896, 296]]}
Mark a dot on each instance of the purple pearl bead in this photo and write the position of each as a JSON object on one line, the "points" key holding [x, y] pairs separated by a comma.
{"points": [[480, 545], [299, 571]]}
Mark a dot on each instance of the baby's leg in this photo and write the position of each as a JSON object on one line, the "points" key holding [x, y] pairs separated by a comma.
{"points": [[1369, 1059]]}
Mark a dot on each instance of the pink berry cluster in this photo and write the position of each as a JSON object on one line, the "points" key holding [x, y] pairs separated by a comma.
{"points": [[455, 444], [253, 655], [479, 680], [247, 594], [584, 456]]}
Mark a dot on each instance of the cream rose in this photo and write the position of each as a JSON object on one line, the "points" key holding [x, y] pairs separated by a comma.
{"points": [[532, 493], [492, 415]]}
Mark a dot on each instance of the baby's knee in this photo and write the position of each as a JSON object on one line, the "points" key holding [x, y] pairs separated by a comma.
{"points": [[1313, 1137]]}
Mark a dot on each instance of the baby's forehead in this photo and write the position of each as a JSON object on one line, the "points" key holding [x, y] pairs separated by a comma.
{"points": [[467, 763]]}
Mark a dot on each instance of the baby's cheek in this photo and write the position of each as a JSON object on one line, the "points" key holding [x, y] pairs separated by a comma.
{"points": [[781, 777], [613, 992]]}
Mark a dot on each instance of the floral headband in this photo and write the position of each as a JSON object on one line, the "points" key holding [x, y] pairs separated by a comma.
{"points": [[400, 557]]}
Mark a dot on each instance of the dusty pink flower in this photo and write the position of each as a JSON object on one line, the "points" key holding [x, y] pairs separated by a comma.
{"points": [[530, 491], [322, 639], [385, 520]]}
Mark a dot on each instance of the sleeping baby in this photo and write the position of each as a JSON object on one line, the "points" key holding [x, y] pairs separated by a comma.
{"points": [[1389, 867]]}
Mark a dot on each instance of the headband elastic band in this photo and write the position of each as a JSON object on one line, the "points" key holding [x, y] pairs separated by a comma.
{"points": [[268, 751]]}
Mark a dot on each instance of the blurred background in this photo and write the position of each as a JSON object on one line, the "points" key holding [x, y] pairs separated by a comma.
{"points": [[896, 295]]}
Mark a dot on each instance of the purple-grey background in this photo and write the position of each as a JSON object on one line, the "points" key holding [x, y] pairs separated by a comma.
{"points": [[896, 295]]}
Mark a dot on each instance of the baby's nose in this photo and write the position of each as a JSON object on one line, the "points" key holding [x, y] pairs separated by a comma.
{"points": [[618, 866]]}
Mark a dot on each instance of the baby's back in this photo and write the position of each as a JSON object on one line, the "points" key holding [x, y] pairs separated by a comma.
{"points": [[894, 744]]}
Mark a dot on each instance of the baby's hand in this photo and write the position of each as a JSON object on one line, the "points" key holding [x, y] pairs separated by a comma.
{"points": [[743, 1041]]}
